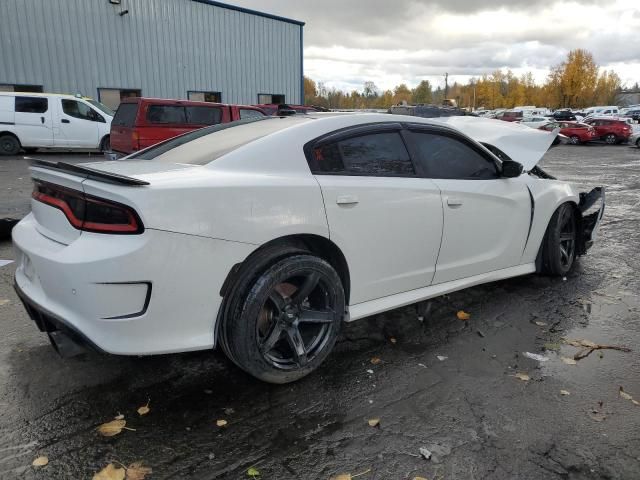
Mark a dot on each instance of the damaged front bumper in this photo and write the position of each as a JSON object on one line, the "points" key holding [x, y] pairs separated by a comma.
{"points": [[592, 208]]}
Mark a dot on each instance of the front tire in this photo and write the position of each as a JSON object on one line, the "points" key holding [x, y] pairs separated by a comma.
{"points": [[611, 139], [9, 145], [560, 241], [575, 140], [286, 324]]}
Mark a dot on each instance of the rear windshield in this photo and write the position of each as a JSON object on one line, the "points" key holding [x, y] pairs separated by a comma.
{"points": [[225, 137], [125, 115]]}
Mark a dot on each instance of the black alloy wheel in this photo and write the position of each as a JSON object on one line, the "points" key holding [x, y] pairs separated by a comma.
{"points": [[567, 240], [295, 322], [9, 145], [611, 139], [558, 248], [282, 322], [575, 140]]}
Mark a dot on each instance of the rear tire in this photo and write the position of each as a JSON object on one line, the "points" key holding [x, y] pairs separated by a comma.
{"points": [[285, 324], [9, 145], [560, 241], [611, 139]]}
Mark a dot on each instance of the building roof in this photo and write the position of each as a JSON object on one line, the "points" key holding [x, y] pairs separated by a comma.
{"points": [[250, 12]]}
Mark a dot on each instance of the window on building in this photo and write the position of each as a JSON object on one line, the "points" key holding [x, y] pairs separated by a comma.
{"points": [[378, 154], [76, 109], [112, 97], [250, 113], [214, 97], [20, 88], [32, 104], [447, 157], [264, 98]]}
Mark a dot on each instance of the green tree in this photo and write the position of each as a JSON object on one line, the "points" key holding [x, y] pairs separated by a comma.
{"points": [[422, 93]]}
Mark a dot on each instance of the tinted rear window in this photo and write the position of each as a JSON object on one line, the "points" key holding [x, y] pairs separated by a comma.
{"points": [[228, 137], [125, 115], [31, 104]]}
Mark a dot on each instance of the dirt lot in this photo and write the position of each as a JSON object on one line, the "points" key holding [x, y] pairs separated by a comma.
{"points": [[441, 383]]}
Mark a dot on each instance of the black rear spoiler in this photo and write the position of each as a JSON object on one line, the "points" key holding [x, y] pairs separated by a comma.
{"points": [[87, 172]]}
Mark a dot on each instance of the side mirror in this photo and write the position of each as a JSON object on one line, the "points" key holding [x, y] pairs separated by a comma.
{"points": [[511, 169]]}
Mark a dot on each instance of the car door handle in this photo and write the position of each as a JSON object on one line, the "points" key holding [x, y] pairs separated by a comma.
{"points": [[454, 202], [64, 120], [42, 119], [347, 200]]}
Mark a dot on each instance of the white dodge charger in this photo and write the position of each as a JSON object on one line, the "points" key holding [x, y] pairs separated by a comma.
{"points": [[263, 236]]}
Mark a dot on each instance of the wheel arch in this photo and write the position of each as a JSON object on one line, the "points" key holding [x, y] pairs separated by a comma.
{"points": [[580, 242], [13, 134], [102, 140]]}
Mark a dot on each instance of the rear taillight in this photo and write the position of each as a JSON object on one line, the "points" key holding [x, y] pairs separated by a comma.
{"points": [[135, 140], [88, 213]]}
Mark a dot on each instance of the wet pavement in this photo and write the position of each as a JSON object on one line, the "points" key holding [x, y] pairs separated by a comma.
{"points": [[469, 409]]}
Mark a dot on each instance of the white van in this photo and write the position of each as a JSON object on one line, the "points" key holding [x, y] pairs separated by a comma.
{"points": [[608, 110], [30, 121]]}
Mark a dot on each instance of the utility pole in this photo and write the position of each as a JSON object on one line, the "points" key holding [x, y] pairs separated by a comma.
{"points": [[446, 85]]}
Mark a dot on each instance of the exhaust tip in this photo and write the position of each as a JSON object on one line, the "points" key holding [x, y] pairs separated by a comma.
{"points": [[65, 345]]}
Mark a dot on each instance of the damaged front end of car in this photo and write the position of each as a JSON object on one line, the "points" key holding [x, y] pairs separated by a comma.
{"points": [[592, 209]]}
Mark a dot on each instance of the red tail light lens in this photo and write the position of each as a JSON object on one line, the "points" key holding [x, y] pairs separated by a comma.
{"points": [[88, 213]]}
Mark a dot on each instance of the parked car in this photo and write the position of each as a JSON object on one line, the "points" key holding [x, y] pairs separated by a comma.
{"points": [[610, 129], [634, 114], [510, 116], [576, 132], [29, 121], [534, 122], [603, 111], [142, 122], [564, 115], [634, 139], [263, 238], [283, 109]]}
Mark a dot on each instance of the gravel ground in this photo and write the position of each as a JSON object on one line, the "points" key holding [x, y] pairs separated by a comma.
{"points": [[469, 409]]}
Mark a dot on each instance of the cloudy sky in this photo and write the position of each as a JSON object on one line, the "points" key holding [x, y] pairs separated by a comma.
{"points": [[391, 41]]}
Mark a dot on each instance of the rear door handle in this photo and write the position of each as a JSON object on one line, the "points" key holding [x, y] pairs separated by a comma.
{"points": [[454, 202], [347, 200], [42, 119], [64, 120]]}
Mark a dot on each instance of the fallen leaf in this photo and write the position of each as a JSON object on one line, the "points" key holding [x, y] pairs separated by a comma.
{"points": [[565, 392], [393, 340], [253, 472], [462, 315], [40, 462], [420, 478], [4, 301], [137, 471], [110, 472], [143, 410], [374, 422], [114, 427], [624, 394], [568, 361], [552, 346], [375, 360], [597, 416], [342, 476], [541, 324], [523, 376], [119, 416], [221, 423]]}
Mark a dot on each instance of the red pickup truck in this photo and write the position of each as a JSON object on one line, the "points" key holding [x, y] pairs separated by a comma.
{"points": [[142, 122]]}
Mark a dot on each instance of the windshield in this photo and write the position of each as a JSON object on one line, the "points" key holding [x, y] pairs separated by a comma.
{"points": [[103, 108]]}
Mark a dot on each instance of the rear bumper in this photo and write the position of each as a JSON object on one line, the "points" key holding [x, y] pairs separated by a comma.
{"points": [[130, 294]]}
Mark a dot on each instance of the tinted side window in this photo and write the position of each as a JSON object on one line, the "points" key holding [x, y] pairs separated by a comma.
{"points": [[378, 154], [125, 115], [203, 115], [447, 157], [248, 113], [31, 104], [77, 109], [166, 114]]}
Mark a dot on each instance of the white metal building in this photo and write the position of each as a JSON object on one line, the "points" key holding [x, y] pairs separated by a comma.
{"points": [[187, 49]]}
